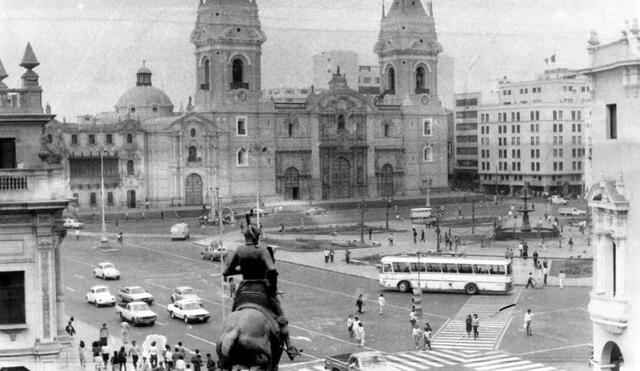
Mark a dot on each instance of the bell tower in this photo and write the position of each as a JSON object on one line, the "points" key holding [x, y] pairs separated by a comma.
{"points": [[407, 50], [228, 48]]}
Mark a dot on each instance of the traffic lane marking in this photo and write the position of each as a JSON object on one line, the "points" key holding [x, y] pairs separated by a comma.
{"points": [[70, 289], [201, 339], [79, 276]]}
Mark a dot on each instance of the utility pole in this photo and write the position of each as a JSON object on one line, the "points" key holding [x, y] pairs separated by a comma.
{"points": [[362, 205], [473, 216], [104, 241], [222, 265]]}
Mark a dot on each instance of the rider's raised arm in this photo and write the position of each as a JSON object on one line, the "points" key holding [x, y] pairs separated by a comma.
{"points": [[233, 266]]}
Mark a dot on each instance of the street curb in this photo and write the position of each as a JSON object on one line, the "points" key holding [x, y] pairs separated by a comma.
{"points": [[326, 269]]}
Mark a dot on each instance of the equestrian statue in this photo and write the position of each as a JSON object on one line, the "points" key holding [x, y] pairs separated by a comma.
{"points": [[256, 332]]}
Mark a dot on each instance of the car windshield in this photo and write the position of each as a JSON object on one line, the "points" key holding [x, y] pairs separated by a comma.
{"points": [[101, 289], [190, 306], [108, 265], [138, 307], [136, 290], [187, 291]]}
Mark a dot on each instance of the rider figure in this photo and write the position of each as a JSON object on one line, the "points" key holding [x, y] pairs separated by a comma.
{"points": [[257, 262]]}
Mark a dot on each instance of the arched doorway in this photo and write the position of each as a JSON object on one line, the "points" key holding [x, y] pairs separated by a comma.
{"points": [[612, 355], [342, 178], [131, 199], [292, 184], [193, 190], [385, 181]]}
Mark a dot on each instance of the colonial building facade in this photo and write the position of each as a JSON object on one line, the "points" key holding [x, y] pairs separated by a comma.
{"points": [[332, 144]]}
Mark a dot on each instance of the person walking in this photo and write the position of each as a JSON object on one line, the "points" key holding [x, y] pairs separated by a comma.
{"points": [[181, 365], [120, 237], [361, 330], [70, 329], [527, 322], [535, 258], [326, 255], [104, 350], [467, 323], [350, 324], [104, 334], [390, 239], [347, 255], [545, 272], [134, 353], [124, 327], [422, 235], [97, 356], [168, 357], [356, 329], [412, 318], [360, 304], [426, 334], [370, 232], [475, 323], [561, 277], [161, 215], [520, 248], [232, 287], [416, 335], [82, 353], [415, 236], [331, 255], [211, 364], [381, 303], [570, 244], [115, 361], [122, 359], [530, 281], [77, 232], [196, 361], [153, 354]]}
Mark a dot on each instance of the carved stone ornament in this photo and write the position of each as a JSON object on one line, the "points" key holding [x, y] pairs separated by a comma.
{"points": [[46, 243], [424, 99], [198, 35], [241, 95]]}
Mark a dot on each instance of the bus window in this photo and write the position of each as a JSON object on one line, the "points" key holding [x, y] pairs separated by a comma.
{"points": [[480, 269], [497, 269], [449, 268], [433, 267], [386, 268], [401, 267], [415, 267], [509, 271], [465, 269]]}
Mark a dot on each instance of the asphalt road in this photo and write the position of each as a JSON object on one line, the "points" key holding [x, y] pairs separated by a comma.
{"points": [[316, 302]]}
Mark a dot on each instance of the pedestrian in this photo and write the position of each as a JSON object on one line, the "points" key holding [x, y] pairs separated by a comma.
{"points": [[370, 232], [120, 237], [180, 350], [104, 334], [97, 356], [527, 322], [124, 326], [412, 317], [115, 361], [520, 248], [570, 244], [390, 239], [181, 365], [475, 323], [211, 364], [545, 272], [105, 355], [196, 361], [426, 334], [69, 329], [232, 287], [326, 255], [350, 323], [561, 277], [415, 334], [77, 233], [356, 329], [168, 357], [381, 303], [361, 328], [535, 258], [360, 304], [161, 215], [506, 253], [422, 235], [539, 271], [347, 255], [153, 354], [117, 223], [122, 359], [281, 227], [82, 354], [331, 255], [459, 210], [415, 236], [530, 281], [134, 353], [467, 323], [542, 246]]}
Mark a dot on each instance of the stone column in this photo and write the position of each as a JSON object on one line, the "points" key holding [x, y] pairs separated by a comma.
{"points": [[316, 177], [60, 310]]}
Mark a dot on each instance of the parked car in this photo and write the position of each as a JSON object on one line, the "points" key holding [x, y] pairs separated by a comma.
{"points": [[100, 295], [214, 253], [106, 270], [188, 311], [137, 313], [571, 211], [316, 211], [184, 293], [361, 361], [557, 200], [135, 293], [72, 223], [180, 231]]}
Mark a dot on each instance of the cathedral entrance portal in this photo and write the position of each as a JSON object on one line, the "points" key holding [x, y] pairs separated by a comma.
{"points": [[342, 178], [131, 199], [292, 183], [385, 181], [193, 190]]}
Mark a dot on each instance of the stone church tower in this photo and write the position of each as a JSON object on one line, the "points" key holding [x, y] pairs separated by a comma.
{"points": [[228, 40], [408, 51]]}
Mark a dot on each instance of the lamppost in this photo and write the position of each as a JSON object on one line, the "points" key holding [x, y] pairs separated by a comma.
{"points": [[104, 241], [259, 149], [389, 201], [362, 206]]}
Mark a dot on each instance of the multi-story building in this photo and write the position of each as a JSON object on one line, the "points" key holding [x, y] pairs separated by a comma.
{"points": [[32, 196], [236, 138], [326, 64], [613, 156], [369, 80], [465, 140], [534, 136]]}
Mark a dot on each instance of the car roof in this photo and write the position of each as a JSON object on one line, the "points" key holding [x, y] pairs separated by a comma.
{"points": [[183, 287], [99, 287], [102, 263], [132, 287], [186, 301]]}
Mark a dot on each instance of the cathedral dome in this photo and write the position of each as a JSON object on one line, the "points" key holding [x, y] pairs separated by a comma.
{"points": [[144, 100]]}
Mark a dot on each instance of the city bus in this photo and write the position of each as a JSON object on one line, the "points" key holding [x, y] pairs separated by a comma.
{"points": [[421, 215], [446, 273]]}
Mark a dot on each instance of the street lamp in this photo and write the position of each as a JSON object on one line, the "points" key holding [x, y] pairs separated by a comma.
{"points": [[389, 201], [362, 205], [259, 148], [104, 241]]}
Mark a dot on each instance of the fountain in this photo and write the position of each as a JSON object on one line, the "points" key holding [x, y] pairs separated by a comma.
{"points": [[524, 231]]}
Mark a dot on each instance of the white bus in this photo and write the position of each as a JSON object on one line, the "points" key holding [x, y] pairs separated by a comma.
{"points": [[421, 215], [444, 273]]}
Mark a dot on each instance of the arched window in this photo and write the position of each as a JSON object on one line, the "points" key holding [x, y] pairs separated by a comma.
{"points": [[130, 169], [242, 158], [237, 67], [193, 133], [428, 154], [290, 130], [193, 154], [129, 138], [420, 77], [133, 110], [154, 109], [93, 199], [206, 73], [341, 122], [391, 80]]}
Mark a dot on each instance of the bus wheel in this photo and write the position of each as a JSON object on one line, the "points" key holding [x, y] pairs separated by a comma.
{"points": [[404, 286], [471, 289]]}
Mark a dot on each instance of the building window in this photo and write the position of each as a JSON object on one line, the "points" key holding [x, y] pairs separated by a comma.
{"points": [[428, 154], [242, 158], [290, 130], [237, 67], [206, 71], [420, 80], [92, 139], [129, 138], [341, 123], [612, 121], [193, 154], [391, 80], [74, 139], [130, 168], [154, 109], [386, 130], [93, 199], [427, 127], [109, 139], [193, 133], [12, 298], [241, 126], [110, 198]]}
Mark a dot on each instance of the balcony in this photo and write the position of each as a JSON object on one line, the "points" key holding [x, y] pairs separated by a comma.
{"points": [[239, 85], [204, 86], [611, 313], [26, 185]]}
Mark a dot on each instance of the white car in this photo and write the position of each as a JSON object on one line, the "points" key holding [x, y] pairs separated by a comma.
{"points": [[72, 223], [106, 270], [100, 295], [188, 311], [557, 200], [135, 293], [255, 211], [184, 293]]}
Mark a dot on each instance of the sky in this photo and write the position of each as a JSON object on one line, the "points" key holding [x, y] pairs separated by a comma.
{"points": [[89, 50]]}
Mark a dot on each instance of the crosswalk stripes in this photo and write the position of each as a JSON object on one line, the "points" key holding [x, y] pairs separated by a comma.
{"points": [[497, 361], [492, 324]]}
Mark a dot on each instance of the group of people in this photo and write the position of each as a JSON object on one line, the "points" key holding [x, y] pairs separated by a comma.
{"points": [[355, 329], [329, 255], [472, 324]]}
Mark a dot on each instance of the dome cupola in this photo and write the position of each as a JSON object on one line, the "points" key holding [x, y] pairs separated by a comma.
{"points": [[143, 101]]}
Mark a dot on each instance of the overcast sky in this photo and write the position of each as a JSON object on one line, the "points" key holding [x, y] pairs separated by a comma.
{"points": [[89, 50]]}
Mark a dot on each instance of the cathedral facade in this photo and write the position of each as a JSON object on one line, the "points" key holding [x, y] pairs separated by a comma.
{"points": [[232, 138]]}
